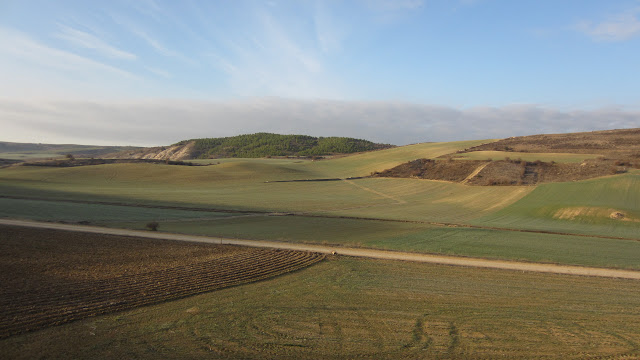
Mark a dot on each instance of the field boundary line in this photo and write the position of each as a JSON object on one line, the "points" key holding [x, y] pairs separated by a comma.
{"points": [[356, 252], [399, 201]]}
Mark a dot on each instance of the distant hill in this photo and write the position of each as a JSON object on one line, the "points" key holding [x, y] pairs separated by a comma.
{"points": [[620, 143], [30, 151], [530, 160], [255, 146]]}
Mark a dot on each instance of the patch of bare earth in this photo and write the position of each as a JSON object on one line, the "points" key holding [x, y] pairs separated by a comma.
{"points": [[49, 277], [506, 172], [448, 170]]}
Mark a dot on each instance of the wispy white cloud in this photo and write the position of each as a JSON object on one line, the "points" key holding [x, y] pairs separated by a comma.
{"points": [[21, 46], [89, 41], [279, 38], [30, 68], [149, 8], [273, 54], [391, 11], [150, 40], [160, 72], [394, 5], [329, 32], [222, 63], [616, 28]]}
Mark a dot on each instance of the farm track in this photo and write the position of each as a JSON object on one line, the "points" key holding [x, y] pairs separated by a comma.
{"points": [[57, 304], [302, 214], [357, 252], [474, 173]]}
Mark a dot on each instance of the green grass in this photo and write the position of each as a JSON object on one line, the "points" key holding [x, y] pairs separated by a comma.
{"points": [[415, 237], [95, 213], [247, 185], [354, 308], [552, 206], [425, 200], [243, 186], [545, 157], [25, 151], [29, 155]]}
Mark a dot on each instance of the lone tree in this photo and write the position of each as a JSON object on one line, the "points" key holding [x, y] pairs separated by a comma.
{"points": [[70, 157], [153, 226]]}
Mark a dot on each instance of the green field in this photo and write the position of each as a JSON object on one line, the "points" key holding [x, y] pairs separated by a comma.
{"points": [[243, 185], [576, 208], [415, 237], [95, 213], [356, 308], [25, 151], [583, 207], [353, 308]]}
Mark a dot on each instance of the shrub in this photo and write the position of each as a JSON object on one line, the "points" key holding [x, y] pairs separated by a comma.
{"points": [[153, 226]]}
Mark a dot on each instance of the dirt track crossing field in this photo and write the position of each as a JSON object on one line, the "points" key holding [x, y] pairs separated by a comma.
{"points": [[58, 295], [358, 252]]}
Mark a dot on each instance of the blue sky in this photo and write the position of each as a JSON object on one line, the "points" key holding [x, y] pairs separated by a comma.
{"points": [[310, 61]]}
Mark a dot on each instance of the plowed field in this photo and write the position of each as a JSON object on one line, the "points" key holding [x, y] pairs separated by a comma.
{"points": [[52, 277]]}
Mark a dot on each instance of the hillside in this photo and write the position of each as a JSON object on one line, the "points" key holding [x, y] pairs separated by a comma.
{"points": [[255, 146], [610, 143], [530, 160], [30, 151]]}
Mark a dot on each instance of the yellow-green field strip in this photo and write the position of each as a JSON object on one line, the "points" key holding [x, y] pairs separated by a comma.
{"points": [[357, 252], [311, 215]]}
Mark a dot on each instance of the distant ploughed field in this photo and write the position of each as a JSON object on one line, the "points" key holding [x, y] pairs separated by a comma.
{"points": [[50, 277]]}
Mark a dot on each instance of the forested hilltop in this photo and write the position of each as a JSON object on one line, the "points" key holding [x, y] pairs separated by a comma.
{"points": [[266, 144]]}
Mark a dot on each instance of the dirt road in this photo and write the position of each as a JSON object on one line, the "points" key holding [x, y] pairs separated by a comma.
{"points": [[368, 253]]}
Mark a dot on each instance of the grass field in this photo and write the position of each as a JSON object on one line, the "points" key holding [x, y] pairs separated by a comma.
{"points": [[581, 207], [94, 213], [346, 307], [29, 155], [578, 207], [546, 157], [351, 308], [243, 186], [416, 237]]}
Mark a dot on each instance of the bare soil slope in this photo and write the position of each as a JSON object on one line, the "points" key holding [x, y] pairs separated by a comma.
{"points": [[175, 152]]}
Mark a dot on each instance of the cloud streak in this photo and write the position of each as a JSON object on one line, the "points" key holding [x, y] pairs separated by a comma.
{"points": [[166, 122], [88, 41], [617, 28]]}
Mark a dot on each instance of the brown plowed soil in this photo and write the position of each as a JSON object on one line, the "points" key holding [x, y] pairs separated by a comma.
{"points": [[448, 170], [49, 277]]}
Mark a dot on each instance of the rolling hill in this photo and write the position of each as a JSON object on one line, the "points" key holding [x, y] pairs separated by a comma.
{"points": [[345, 306], [531, 160], [254, 146]]}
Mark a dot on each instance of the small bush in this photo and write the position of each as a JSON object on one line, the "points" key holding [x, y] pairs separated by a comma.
{"points": [[153, 226]]}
